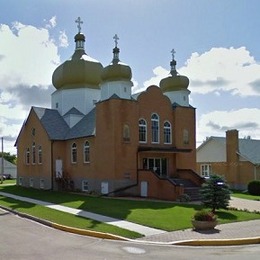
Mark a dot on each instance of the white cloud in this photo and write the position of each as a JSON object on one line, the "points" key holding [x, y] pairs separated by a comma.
{"points": [[29, 56], [63, 39], [159, 73], [246, 120], [51, 23], [219, 69], [233, 70]]}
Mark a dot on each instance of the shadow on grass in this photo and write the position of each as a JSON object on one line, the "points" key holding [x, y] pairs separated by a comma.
{"points": [[225, 215]]}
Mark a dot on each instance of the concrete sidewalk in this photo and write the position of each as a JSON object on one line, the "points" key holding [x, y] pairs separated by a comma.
{"points": [[247, 232], [146, 231]]}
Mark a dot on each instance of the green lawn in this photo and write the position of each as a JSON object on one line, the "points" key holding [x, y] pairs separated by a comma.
{"points": [[244, 195], [163, 215]]}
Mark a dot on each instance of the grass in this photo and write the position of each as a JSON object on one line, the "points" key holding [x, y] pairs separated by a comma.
{"points": [[65, 218], [244, 195], [163, 215]]}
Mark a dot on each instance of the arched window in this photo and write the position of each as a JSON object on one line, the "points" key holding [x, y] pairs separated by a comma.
{"points": [[142, 131], [155, 128], [86, 152], [27, 157], [126, 133], [185, 136], [33, 154], [74, 153], [167, 132], [39, 154]]}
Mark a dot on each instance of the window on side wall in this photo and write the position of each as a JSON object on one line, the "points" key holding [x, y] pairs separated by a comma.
{"points": [[167, 132], [85, 185], [142, 131], [33, 154], [27, 156], [42, 184], [20, 181], [126, 133], [86, 152], [155, 128], [205, 170], [74, 153], [40, 155], [186, 136]]}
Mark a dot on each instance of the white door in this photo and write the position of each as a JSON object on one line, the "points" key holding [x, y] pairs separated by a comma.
{"points": [[104, 187], [144, 188], [58, 168]]}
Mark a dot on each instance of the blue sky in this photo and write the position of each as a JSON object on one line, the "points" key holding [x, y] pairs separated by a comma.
{"points": [[216, 44]]}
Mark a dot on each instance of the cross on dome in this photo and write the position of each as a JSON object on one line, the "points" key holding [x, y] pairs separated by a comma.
{"points": [[116, 38], [79, 22], [173, 52]]}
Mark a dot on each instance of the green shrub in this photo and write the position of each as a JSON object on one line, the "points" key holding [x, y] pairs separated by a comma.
{"points": [[254, 188]]}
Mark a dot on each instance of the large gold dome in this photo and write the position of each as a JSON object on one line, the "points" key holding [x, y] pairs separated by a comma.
{"points": [[80, 70]]}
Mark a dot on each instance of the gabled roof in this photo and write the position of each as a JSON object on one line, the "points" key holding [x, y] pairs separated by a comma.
{"points": [[249, 149], [74, 111], [52, 122], [85, 127]]}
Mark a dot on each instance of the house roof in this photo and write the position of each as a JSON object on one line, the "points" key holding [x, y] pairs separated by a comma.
{"points": [[52, 122], [57, 128], [74, 111], [85, 127], [249, 149]]}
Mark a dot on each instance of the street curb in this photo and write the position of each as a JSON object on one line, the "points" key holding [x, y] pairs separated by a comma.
{"points": [[219, 242], [84, 232], [77, 231]]}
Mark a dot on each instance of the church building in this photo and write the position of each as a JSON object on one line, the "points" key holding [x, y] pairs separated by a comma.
{"points": [[100, 138]]}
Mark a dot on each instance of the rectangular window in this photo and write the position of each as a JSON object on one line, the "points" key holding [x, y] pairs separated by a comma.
{"points": [[85, 185], [27, 156], [41, 183], [40, 155], [31, 182], [20, 181], [205, 170], [167, 135]]}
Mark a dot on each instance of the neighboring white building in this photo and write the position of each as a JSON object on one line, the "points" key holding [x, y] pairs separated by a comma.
{"points": [[9, 168]]}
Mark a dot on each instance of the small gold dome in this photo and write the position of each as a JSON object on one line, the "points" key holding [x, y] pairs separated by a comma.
{"points": [[174, 83], [116, 71]]}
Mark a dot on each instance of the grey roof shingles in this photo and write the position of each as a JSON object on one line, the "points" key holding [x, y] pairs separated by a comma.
{"points": [[57, 128], [248, 148], [85, 127], [52, 122]]}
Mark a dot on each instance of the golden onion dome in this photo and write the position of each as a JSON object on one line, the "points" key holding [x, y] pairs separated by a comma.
{"points": [[174, 82], [80, 70], [116, 70]]}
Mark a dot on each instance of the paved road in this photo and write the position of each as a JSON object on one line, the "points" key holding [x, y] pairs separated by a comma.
{"points": [[22, 239]]}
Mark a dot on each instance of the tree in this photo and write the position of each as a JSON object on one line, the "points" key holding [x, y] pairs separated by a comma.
{"points": [[10, 158], [215, 193]]}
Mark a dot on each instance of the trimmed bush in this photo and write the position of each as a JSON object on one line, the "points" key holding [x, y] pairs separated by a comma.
{"points": [[254, 188]]}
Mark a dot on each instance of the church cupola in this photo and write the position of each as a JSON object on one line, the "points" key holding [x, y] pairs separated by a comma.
{"points": [[176, 86], [81, 70], [77, 79], [116, 77]]}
